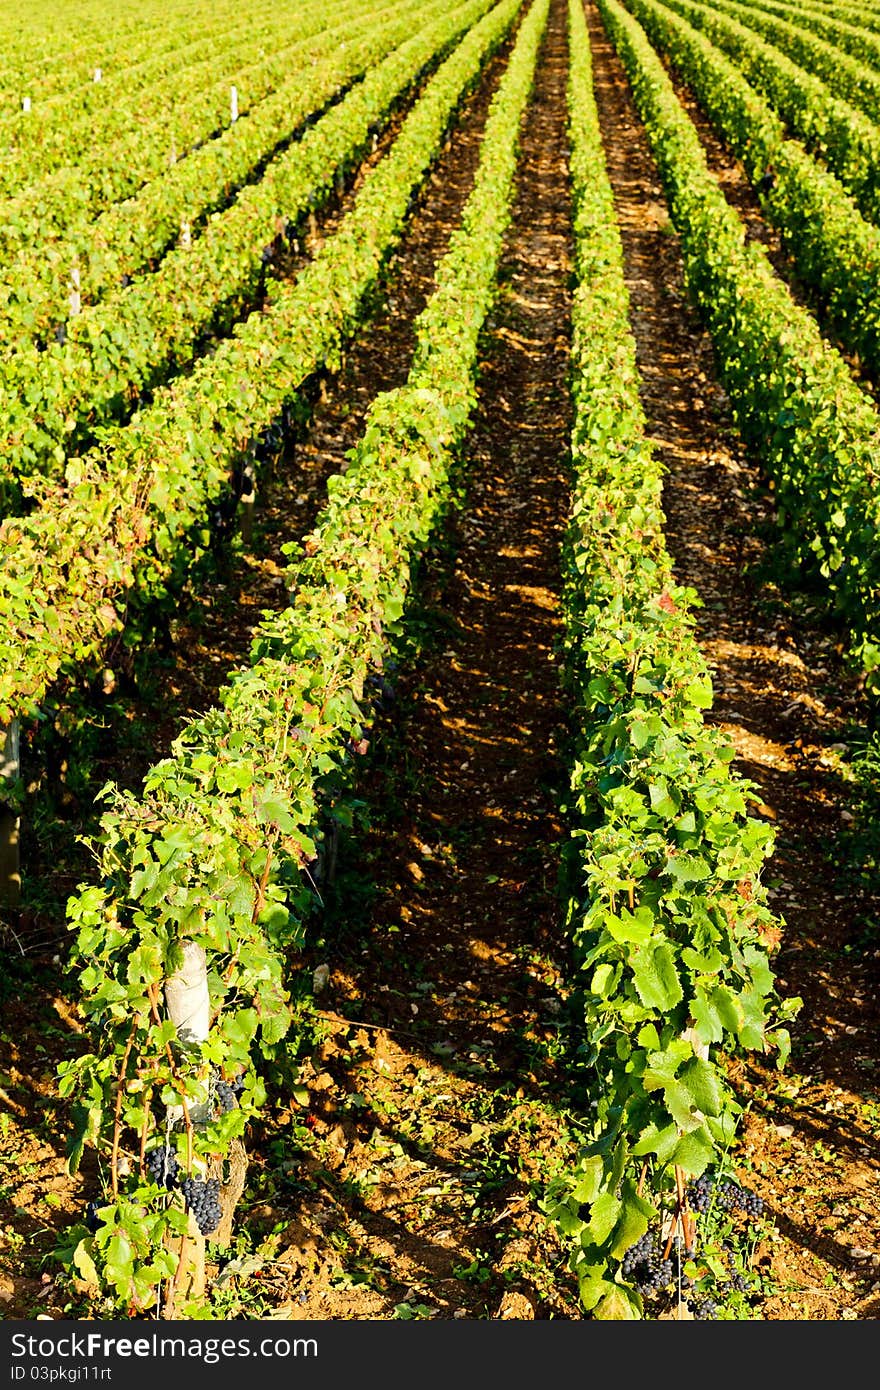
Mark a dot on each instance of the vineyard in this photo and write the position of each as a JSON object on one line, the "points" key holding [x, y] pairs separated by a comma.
{"points": [[440, 660]]}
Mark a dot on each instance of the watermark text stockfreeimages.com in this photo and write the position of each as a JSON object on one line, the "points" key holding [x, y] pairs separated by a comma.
{"points": [[91, 1346]]}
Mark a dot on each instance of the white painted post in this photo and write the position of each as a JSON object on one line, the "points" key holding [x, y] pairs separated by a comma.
{"points": [[233, 104], [96, 75], [75, 297], [10, 866], [172, 153], [25, 104], [189, 1008], [247, 501], [701, 1049], [186, 233], [186, 995]]}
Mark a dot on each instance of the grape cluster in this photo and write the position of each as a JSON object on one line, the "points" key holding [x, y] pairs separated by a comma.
{"points": [[684, 1252], [737, 1283], [271, 440], [225, 1096], [92, 1219], [703, 1306], [203, 1200], [227, 1092], [643, 1263], [725, 1195], [381, 690], [687, 1252], [750, 1203], [162, 1166], [706, 1305]]}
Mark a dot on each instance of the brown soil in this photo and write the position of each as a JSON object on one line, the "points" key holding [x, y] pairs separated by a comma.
{"points": [[402, 1176]]}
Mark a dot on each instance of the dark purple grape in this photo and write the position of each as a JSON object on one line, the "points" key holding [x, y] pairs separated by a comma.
{"points": [[162, 1166], [92, 1220], [203, 1201]]}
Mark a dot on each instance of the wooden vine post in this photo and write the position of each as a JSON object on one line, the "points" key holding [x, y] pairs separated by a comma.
{"points": [[10, 865], [75, 298], [682, 1216]]}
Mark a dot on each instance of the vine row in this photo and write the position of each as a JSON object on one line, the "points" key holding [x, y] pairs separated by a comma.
{"points": [[107, 173], [211, 858], [793, 396], [833, 130], [846, 76], [58, 132], [43, 64], [833, 28], [833, 248], [669, 920], [52, 400], [112, 246]]}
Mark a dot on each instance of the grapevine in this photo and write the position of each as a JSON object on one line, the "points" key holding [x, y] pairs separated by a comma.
{"points": [[229, 846]]}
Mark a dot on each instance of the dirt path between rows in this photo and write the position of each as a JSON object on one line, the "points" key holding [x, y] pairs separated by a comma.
{"points": [[811, 1141], [433, 1126]]}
